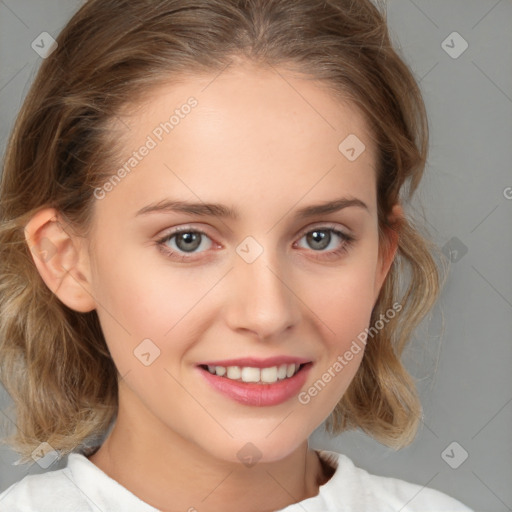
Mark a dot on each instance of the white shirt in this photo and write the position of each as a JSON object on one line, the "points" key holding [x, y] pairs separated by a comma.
{"points": [[82, 487]]}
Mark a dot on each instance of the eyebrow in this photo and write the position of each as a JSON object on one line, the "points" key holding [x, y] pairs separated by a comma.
{"points": [[223, 211]]}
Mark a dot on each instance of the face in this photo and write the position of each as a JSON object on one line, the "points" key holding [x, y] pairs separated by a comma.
{"points": [[256, 286]]}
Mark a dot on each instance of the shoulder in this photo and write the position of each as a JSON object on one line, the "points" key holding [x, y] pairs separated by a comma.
{"points": [[368, 492], [46, 492], [80, 486]]}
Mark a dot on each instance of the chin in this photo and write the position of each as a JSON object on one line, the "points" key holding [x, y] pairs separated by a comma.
{"points": [[250, 450]]}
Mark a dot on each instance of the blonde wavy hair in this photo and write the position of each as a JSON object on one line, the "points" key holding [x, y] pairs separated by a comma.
{"points": [[54, 361]]}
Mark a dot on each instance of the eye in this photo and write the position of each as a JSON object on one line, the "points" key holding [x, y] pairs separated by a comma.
{"points": [[185, 241], [321, 238]]}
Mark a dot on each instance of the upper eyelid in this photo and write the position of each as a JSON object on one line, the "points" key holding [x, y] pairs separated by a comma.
{"points": [[301, 232], [328, 226]]}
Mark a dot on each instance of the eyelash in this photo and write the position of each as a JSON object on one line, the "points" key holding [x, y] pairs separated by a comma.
{"points": [[347, 241]]}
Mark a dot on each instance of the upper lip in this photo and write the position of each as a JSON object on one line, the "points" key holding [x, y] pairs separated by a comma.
{"points": [[254, 362]]}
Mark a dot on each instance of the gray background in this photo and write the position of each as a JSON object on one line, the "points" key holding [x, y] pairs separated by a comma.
{"points": [[462, 357]]}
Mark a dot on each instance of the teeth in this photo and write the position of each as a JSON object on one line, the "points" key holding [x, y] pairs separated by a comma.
{"points": [[269, 375], [249, 374], [281, 372], [234, 372], [290, 370]]}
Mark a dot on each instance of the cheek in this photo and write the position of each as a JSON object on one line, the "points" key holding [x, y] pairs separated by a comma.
{"points": [[343, 316], [346, 306], [344, 300], [343, 307], [138, 302]]}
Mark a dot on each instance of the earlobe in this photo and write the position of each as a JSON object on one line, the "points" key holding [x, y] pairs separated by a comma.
{"points": [[60, 259]]}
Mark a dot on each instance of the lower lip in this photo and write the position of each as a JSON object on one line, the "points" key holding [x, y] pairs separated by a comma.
{"points": [[259, 395]]}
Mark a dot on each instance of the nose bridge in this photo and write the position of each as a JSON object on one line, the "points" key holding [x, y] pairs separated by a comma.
{"points": [[262, 300]]}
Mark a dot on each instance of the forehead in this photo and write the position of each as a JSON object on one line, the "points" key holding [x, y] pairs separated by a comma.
{"points": [[246, 97], [247, 132]]}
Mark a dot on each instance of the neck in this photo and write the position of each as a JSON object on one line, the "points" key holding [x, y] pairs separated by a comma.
{"points": [[173, 474]]}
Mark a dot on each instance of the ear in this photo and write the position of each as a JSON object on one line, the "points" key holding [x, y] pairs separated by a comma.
{"points": [[60, 258], [388, 247]]}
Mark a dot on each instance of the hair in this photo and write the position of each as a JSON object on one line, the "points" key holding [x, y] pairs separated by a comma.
{"points": [[54, 361]]}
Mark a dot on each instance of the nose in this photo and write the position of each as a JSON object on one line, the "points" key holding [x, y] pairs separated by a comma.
{"points": [[261, 298]]}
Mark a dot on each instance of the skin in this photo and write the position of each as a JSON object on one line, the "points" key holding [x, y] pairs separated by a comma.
{"points": [[257, 145]]}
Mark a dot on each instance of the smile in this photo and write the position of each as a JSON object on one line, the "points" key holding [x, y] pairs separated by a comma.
{"points": [[254, 382]]}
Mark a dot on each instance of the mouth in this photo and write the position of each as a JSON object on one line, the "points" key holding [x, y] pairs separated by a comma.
{"points": [[254, 381], [257, 383], [256, 375]]}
